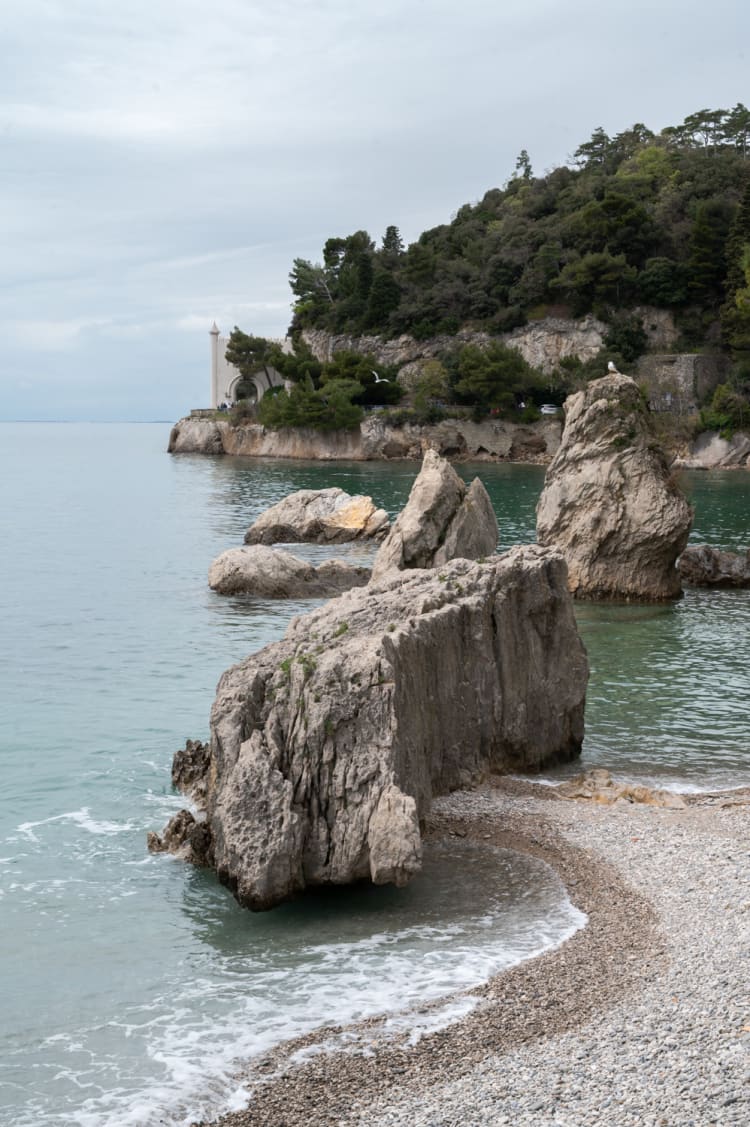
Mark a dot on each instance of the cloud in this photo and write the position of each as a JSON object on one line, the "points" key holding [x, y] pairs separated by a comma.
{"points": [[163, 163]]}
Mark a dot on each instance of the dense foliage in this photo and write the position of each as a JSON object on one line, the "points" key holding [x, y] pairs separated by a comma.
{"points": [[638, 218]]}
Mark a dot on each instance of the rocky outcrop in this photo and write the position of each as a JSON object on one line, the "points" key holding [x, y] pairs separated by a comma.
{"points": [[597, 785], [710, 451], [441, 521], [327, 747], [273, 574], [542, 343], [319, 516], [376, 438], [197, 436], [701, 566], [609, 502]]}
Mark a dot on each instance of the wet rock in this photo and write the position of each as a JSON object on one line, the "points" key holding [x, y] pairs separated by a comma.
{"points": [[609, 502], [702, 566], [272, 574], [598, 785], [442, 520], [321, 516], [327, 747], [186, 837], [189, 769]]}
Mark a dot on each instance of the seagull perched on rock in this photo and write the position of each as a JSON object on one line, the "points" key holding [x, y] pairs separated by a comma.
{"points": [[379, 379], [611, 368]]}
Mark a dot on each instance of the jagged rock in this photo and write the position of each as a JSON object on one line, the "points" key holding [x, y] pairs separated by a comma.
{"points": [[186, 837], [441, 521], [609, 502], [273, 574], [702, 566], [189, 768], [597, 785], [323, 516], [327, 747]]}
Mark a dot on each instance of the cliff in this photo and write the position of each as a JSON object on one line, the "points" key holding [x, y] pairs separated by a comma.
{"points": [[457, 439]]}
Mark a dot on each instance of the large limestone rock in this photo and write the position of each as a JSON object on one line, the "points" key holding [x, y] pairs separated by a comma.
{"points": [[441, 521], [197, 436], [327, 747], [272, 574], [702, 566], [609, 502], [323, 516]]}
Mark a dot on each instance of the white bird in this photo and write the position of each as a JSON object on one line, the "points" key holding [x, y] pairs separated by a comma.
{"points": [[612, 368], [379, 379]]}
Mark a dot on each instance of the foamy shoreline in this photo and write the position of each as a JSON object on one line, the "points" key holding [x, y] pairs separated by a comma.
{"points": [[550, 1041]]}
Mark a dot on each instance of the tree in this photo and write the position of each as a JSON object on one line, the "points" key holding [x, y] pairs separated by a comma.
{"points": [[249, 354], [492, 377], [707, 265], [392, 246], [384, 298], [596, 279], [523, 166]]}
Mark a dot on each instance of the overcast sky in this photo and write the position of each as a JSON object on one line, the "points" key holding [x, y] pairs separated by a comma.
{"points": [[164, 162]]}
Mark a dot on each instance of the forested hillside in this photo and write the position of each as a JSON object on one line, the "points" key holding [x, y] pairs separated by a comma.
{"points": [[637, 218]]}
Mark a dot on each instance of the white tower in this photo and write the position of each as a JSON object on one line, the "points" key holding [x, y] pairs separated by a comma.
{"points": [[214, 334]]}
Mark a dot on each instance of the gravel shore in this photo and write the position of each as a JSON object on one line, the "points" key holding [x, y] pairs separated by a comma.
{"points": [[642, 1018]]}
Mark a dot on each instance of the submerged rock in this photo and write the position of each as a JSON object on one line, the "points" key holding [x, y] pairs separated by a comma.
{"points": [[441, 521], [609, 502], [702, 566], [327, 747], [273, 574], [321, 516]]}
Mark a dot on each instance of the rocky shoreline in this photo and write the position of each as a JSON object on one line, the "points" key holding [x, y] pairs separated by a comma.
{"points": [[640, 1018]]}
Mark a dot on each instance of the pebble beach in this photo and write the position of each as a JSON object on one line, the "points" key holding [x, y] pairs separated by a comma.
{"points": [[641, 1018]]}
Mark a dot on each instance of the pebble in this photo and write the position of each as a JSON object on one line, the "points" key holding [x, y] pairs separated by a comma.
{"points": [[642, 1022]]}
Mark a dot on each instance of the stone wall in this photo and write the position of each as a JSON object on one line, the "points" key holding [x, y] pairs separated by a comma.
{"points": [[678, 382]]}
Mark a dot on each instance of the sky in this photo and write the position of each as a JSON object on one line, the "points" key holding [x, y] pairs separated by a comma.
{"points": [[164, 162]]}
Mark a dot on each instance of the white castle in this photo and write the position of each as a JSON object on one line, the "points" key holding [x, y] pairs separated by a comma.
{"points": [[227, 382]]}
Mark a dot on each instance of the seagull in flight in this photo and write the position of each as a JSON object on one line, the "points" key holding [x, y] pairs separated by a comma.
{"points": [[379, 379]]}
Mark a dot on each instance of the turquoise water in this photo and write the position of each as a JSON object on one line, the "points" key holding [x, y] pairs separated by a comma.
{"points": [[132, 984]]}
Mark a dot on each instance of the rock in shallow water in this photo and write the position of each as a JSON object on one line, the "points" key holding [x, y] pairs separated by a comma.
{"points": [[322, 516], [442, 520], [272, 574], [610, 503], [702, 566], [327, 747]]}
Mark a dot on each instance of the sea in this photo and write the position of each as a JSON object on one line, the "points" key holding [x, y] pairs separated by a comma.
{"points": [[132, 986]]}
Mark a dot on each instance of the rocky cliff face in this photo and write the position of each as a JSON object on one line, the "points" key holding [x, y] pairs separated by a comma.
{"points": [[327, 747], [458, 439], [441, 521], [542, 343], [609, 502]]}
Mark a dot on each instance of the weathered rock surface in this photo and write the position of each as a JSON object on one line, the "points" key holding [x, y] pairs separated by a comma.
{"points": [[441, 521], [609, 502], [710, 451], [185, 836], [321, 516], [375, 438], [702, 566], [189, 768], [197, 436], [597, 785], [273, 574], [542, 343], [327, 747]]}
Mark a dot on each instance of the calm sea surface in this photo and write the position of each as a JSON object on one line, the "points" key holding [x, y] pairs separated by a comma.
{"points": [[131, 985]]}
